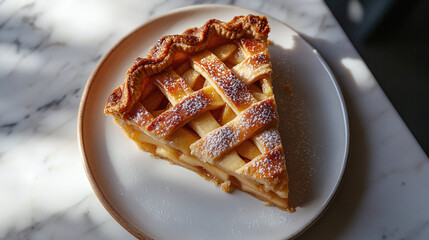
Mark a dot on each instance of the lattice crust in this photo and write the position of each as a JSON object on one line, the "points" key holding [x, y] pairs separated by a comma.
{"points": [[173, 48], [205, 101]]}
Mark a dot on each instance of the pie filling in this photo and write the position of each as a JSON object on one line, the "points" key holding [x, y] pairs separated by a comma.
{"points": [[204, 101], [228, 180]]}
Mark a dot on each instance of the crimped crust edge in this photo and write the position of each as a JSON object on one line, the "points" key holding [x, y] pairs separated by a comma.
{"points": [[192, 40]]}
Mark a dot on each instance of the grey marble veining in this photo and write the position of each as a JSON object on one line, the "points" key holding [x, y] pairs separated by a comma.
{"points": [[48, 49]]}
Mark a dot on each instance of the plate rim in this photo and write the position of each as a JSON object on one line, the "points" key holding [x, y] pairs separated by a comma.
{"points": [[84, 98]]}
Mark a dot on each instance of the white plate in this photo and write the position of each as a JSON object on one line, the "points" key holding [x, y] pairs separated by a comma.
{"points": [[152, 198]]}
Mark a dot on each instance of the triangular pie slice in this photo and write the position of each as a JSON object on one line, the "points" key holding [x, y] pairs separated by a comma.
{"points": [[204, 100]]}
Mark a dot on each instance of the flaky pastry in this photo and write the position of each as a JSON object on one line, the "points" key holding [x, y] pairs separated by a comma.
{"points": [[204, 100]]}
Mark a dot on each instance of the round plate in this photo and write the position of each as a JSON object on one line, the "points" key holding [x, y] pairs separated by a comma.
{"points": [[151, 198]]}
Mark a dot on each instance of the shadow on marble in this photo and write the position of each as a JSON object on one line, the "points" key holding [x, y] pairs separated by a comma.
{"points": [[43, 73], [346, 203], [74, 222], [42, 80]]}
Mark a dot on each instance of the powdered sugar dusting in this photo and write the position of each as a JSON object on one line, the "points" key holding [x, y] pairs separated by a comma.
{"points": [[253, 46], [253, 67], [269, 139], [139, 116], [229, 136], [193, 105], [234, 89], [260, 114], [167, 122], [217, 143], [256, 61], [167, 78], [268, 165], [165, 125], [173, 84]]}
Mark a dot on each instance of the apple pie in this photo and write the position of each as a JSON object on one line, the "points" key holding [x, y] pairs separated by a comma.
{"points": [[204, 100]]}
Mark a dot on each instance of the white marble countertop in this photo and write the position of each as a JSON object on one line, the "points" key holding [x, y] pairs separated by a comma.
{"points": [[49, 48]]}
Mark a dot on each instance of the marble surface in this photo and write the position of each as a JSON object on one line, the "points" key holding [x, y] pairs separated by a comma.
{"points": [[49, 48]]}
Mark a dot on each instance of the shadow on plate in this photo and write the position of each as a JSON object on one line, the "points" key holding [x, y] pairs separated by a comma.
{"points": [[343, 207]]}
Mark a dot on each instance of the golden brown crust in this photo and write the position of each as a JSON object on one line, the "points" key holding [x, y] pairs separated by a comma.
{"points": [[161, 101], [216, 143], [192, 40]]}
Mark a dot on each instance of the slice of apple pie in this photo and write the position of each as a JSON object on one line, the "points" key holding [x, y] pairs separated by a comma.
{"points": [[204, 100]]}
